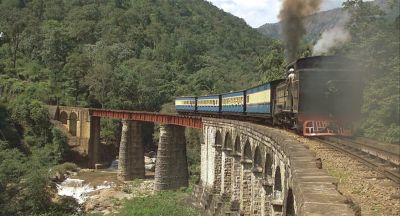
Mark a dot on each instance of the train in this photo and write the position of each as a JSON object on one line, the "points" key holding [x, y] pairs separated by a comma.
{"points": [[321, 96]]}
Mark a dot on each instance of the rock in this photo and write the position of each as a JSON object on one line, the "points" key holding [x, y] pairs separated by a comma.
{"points": [[99, 166], [150, 167], [90, 205], [106, 212], [147, 160], [151, 154], [60, 177]]}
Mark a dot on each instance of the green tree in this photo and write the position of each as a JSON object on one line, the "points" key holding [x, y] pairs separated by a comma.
{"points": [[99, 81], [76, 68], [17, 24], [34, 119], [56, 46], [375, 43], [272, 64]]}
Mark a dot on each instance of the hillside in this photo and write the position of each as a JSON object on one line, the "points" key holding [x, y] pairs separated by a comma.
{"points": [[319, 22], [314, 24], [80, 51]]}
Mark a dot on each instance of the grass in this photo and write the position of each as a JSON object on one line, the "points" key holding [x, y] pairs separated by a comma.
{"points": [[160, 204], [128, 188], [342, 175]]}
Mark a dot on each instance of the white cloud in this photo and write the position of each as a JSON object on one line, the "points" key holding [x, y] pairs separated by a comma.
{"points": [[259, 12], [254, 12]]}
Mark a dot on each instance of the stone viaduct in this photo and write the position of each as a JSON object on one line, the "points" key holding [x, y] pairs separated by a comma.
{"points": [[246, 169]]}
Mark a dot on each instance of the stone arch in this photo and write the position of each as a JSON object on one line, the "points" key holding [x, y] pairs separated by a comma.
{"points": [[218, 138], [278, 184], [268, 165], [290, 203], [237, 145], [246, 153], [63, 117], [228, 141], [257, 160], [73, 120]]}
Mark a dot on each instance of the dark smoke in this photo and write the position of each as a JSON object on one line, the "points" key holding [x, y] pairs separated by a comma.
{"points": [[292, 14]]}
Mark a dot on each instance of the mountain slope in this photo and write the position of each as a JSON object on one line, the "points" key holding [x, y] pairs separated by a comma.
{"points": [[126, 54], [319, 22]]}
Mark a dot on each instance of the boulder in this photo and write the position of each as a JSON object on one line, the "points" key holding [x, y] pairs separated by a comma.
{"points": [[147, 160], [150, 167]]}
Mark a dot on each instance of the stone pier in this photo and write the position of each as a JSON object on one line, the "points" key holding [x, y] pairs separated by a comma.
{"points": [[94, 141], [171, 165], [131, 152]]}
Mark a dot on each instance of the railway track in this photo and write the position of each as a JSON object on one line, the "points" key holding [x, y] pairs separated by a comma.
{"points": [[383, 158]]}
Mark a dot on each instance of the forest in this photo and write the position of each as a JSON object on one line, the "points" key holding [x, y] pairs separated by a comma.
{"points": [[139, 55]]}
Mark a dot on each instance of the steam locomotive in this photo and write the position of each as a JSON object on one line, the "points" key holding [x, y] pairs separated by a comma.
{"points": [[321, 96]]}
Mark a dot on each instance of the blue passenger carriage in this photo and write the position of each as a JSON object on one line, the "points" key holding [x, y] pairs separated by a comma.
{"points": [[233, 102], [259, 99], [185, 104], [210, 103]]}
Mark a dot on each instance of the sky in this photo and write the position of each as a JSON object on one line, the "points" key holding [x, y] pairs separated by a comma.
{"points": [[259, 12]]}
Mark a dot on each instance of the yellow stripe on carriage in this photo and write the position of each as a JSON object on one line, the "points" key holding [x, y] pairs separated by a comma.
{"points": [[235, 100], [185, 102], [208, 102], [259, 97]]}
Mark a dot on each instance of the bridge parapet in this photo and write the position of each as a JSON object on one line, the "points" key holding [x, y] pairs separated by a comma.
{"points": [[264, 171]]}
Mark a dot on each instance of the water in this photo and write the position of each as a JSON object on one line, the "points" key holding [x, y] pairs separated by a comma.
{"points": [[77, 189], [114, 165]]}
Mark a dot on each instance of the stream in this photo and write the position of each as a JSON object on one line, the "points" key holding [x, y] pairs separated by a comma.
{"points": [[79, 189]]}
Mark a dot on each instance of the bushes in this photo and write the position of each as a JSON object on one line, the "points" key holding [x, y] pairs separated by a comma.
{"points": [[63, 168], [163, 203], [26, 156], [60, 144], [25, 187]]}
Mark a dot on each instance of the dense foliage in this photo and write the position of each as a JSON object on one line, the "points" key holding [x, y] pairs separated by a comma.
{"points": [[124, 54], [29, 147], [375, 43]]}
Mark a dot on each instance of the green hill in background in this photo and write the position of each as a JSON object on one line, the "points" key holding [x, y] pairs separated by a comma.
{"points": [[125, 54], [319, 22]]}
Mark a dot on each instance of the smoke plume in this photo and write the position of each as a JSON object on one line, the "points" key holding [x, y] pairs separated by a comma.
{"points": [[331, 38], [291, 15]]}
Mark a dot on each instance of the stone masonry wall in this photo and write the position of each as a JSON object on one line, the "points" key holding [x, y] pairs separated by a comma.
{"points": [[314, 192], [256, 194], [236, 177], [217, 169], [227, 175], [245, 189]]}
